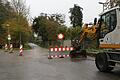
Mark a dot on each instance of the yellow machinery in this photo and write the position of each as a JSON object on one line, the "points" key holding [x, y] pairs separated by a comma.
{"points": [[88, 31]]}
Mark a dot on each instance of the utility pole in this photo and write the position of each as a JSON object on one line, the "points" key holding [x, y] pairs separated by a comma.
{"points": [[20, 38], [9, 36]]}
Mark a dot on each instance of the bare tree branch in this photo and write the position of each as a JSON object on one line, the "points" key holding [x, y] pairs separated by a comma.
{"points": [[20, 7]]}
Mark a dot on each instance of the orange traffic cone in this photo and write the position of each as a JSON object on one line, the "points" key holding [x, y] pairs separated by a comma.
{"points": [[21, 50]]}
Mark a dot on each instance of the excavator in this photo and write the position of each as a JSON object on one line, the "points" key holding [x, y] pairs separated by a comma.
{"points": [[88, 31], [107, 32]]}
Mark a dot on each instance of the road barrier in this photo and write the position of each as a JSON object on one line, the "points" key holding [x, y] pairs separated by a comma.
{"points": [[21, 50], [11, 48], [6, 47], [59, 52]]}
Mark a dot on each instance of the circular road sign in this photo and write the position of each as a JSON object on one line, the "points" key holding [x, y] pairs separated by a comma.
{"points": [[60, 36]]}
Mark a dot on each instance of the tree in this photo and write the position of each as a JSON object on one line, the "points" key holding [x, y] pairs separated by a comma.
{"points": [[59, 18], [15, 13], [75, 32], [20, 7], [76, 15], [5, 11], [20, 19], [16, 29], [48, 27], [45, 27]]}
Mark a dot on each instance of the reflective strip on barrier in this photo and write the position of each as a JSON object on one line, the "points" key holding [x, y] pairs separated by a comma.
{"points": [[51, 49], [71, 48], [60, 49], [55, 49], [63, 49], [67, 49]]}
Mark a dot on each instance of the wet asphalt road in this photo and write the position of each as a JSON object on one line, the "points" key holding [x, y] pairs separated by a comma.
{"points": [[34, 65]]}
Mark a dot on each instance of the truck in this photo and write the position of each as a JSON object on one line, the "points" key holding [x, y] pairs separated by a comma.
{"points": [[107, 32]]}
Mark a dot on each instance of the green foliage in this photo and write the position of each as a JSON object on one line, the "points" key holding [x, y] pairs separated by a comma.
{"points": [[5, 10], [17, 28], [73, 32], [76, 15], [48, 27], [18, 24], [58, 18]]}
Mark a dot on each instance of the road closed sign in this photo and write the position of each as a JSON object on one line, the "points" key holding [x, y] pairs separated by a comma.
{"points": [[60, 36]]}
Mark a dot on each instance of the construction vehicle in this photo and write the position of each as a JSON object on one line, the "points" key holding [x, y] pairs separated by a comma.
{"points": [[88, 31], [108, 35]]}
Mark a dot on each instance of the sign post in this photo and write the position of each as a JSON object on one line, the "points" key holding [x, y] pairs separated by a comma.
{"points": [[9, 38]]}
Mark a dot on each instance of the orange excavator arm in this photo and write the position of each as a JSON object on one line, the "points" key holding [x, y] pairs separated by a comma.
{"points": [[89, 32]]}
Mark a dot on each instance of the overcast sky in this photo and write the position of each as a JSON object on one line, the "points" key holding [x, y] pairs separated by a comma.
{"points": [[91, 8]]}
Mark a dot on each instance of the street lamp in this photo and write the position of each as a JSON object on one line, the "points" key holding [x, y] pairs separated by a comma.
{"points": [[101, 3], [104, 4]]}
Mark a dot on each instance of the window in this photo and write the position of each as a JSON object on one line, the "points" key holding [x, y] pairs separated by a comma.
{"points": [[113, 20], [108, 23]]}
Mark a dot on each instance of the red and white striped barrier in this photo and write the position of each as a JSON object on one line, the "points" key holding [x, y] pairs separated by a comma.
{"points": [[11, 48], [58, 56], [21, 50], [6, 47], [51, 49], [59, 49]]}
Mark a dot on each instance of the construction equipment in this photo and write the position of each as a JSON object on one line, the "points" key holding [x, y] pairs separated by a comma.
{"points": [[108, 34], [79, 42]]}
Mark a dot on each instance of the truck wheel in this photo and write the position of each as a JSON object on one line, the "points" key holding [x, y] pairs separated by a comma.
{"points": [[102, 62]]}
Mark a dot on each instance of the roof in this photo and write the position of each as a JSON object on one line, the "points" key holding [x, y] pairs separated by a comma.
{"points": [[117, 7]]}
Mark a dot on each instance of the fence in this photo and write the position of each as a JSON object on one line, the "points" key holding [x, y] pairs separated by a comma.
{"points": [[59, 52]]}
